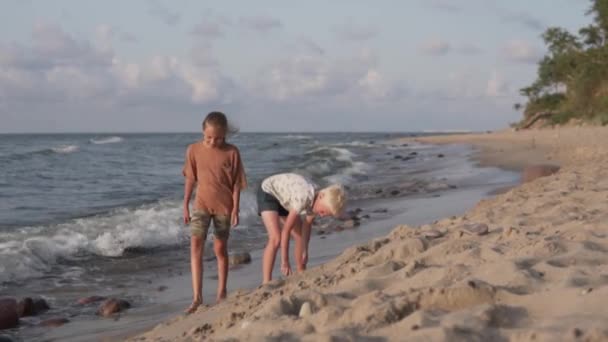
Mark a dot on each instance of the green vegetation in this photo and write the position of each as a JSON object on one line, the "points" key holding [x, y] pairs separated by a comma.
{"points": [[572, 78]]}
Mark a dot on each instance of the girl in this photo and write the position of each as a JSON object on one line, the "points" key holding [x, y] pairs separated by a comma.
{"points": [[215, 167]]}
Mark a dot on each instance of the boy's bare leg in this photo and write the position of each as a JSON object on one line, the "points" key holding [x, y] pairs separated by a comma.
{"points": [[296, 233], [220, 247], [196, 266], [271, 222]]}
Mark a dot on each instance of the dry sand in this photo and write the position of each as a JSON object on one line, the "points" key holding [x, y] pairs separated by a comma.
{"points": [[538, 274]]}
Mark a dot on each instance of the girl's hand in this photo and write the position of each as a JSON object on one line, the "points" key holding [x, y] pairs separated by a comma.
{"points": [[286, 269], [186, 215], [234, 218]]}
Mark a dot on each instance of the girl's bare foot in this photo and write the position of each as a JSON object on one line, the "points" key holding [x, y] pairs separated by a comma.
{"points": [[193, 307]]}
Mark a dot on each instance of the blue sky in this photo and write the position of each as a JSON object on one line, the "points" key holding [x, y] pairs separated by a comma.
{"points": [[154, 65]]}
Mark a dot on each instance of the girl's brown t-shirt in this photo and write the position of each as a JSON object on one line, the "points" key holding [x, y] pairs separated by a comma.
{"points": [[217, 172]]}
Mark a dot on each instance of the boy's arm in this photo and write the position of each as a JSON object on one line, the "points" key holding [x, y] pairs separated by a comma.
{"points": [[188, 187], [285, 234], [306, 229]]}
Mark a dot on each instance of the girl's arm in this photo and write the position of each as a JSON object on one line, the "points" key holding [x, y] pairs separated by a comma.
{"points": [[188, 187], [236, 198], [285, 234]]}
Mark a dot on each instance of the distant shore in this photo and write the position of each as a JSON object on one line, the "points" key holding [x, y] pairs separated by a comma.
{"points": [[529, 264]]}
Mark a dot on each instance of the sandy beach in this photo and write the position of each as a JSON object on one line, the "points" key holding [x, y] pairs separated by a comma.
{"points": [[530, 264]]}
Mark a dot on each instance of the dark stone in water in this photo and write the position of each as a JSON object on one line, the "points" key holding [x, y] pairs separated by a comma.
{"points": [[404, 145], [54, 322], [371, 142], [380, 211], [350, 223], [379, 191], [25, 307], [440, 155], [112, 306], [395, 192], [162, 288], [239, 258], [389, 153], [90, 299], [398, 157], [366, 216], [413, 153], [8, 313], [31, 307]]}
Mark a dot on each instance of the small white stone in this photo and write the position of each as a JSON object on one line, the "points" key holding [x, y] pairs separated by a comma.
{"points": [[305, 310], [245, 324]]}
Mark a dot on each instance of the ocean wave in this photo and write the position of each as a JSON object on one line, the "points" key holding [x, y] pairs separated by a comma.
{"points": [[106, 140], [333, 164], [64, 149], [295, 137], [33, 251], [356, 144]]}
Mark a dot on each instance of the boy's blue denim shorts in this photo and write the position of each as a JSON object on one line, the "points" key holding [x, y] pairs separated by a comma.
{"points": [[201, 220]]}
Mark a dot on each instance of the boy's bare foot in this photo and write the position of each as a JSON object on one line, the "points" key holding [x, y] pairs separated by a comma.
{"points": [[193, 307]]}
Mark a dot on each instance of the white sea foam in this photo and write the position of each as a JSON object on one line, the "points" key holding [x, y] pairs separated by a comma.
{"points": [[32, 251], [295, 137], [65, 149], [356, 144], [108, 140]]}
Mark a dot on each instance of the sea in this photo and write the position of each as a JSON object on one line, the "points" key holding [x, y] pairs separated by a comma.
{"points": [[95, 214]]}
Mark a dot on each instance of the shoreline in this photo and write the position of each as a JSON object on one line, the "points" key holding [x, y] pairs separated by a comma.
{"points": [[245, 279], [536, 272]]}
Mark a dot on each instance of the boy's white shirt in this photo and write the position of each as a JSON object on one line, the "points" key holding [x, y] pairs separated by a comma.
{"points": [[293, 191]]}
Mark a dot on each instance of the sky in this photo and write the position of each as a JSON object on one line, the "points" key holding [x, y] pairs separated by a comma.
{"points": [[271, 65]]}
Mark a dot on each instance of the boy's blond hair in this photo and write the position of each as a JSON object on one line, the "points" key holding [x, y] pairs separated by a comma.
{"points": [[334, 197]]}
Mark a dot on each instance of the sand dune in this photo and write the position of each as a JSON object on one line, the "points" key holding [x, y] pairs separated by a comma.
{"points": [[530, 264]]}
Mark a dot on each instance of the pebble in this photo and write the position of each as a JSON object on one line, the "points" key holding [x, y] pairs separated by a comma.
{"points": [[476, 229], [305, 310], [432, 234]]}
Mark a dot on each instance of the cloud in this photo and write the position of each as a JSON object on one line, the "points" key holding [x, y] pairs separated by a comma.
{"points": [[520, 51], [211, 26], [317, 78], [260, 23], [157, 9], [351, 31], [441, 47], [310, 46], [444, 5], [496, 86], [436, 47], [58, 68], [521, 18], [52, 47], [106, 35], [468, 49]]}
